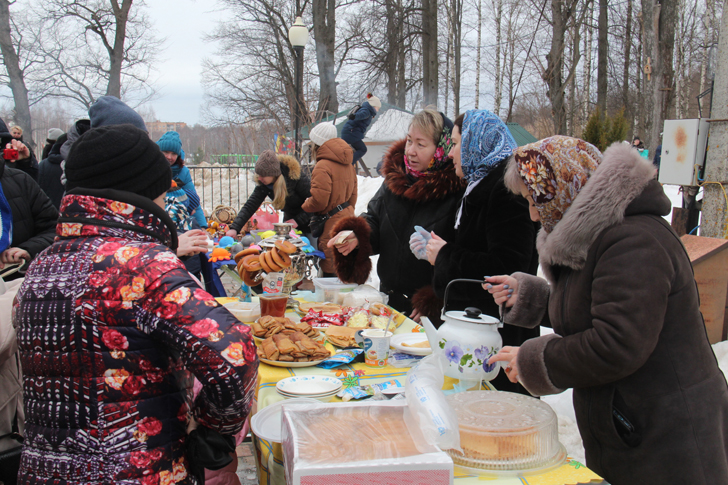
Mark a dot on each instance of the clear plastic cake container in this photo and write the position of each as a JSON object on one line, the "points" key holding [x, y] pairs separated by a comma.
{"points": [[505, 433]]}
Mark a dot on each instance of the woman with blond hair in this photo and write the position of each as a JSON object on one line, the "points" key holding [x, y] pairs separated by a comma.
{"points": [[420, 188], [280, 179]]}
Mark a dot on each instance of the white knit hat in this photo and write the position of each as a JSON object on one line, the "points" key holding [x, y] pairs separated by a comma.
{"points": [[322, 133]]}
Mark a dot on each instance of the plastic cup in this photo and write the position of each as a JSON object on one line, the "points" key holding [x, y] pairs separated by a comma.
{"points": [[376, 346], [273, 304]]}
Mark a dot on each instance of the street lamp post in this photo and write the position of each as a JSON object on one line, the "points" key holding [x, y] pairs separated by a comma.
{"points": [[298, 37]]}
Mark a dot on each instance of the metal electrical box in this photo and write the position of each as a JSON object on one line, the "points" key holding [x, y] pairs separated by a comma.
{"points": [[683, 151]]}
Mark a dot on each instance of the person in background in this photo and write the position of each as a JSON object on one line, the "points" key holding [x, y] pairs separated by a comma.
{"points": [[26, 160], [493, 231], [420, 188], [53, 135], [333, 188], [280, 179], [353, 130], [146, 326], [651, 402], [50, 173], [25, 208], [171, 146]]}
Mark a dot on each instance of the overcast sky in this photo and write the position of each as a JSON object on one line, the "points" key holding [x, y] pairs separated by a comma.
{"points": [[183, 23]]}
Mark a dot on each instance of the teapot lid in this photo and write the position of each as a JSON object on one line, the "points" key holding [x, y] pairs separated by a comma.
{"points": [[472, 315]]}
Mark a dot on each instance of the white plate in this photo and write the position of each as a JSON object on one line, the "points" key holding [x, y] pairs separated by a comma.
{"points": [[300, 385], [410, 338], [278, 363], [267, 423], [320, 398]]}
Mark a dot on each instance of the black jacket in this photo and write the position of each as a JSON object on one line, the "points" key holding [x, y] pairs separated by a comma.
{"points": [[496, 236], [34, 217], [298, 186], [401, 204], [49, 175]]}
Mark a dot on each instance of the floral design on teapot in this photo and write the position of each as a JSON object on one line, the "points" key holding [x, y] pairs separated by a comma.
{"points": [[468, 359]]}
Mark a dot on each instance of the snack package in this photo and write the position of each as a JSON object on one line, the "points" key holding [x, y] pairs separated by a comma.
{"points": [[273, 283], [400, 359], [340, 358], [374, 391]]}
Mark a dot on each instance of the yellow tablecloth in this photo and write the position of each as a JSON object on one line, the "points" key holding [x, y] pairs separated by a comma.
{"points": [[269, 456]]}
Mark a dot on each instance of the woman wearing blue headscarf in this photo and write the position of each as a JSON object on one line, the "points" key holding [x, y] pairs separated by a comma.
{"points": [[493, 229]]}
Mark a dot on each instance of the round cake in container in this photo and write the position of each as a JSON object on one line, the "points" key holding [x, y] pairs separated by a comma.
{"points": [[504, 431]]}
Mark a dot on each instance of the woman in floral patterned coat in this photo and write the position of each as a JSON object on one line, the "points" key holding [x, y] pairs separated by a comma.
{"points": [[111, 328]]}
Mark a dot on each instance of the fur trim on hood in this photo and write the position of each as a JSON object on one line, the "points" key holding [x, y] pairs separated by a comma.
{"points": [[441, 184], [619, 179], [294, 168]]}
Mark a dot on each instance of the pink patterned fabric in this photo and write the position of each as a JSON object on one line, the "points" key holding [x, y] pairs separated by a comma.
{"points": [[111, 328]]}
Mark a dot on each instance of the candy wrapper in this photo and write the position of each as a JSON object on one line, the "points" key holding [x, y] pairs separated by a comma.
{"points": [[400, 360], [375, 391], [273, 283], [340, 358]]}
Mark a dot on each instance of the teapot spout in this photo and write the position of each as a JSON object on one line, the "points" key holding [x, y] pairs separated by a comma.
{"points": [[431, 332]]}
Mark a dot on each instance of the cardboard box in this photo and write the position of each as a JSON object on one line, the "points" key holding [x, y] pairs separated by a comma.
{"points": [[358, 443]]}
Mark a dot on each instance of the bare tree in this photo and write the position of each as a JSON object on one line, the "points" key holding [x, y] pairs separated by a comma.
{"points": [[498, 10], [602, 54], [324, 28], [16, 75], [120, 48], [430, 61]]}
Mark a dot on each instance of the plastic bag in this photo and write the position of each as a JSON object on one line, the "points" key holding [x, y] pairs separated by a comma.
{"points": [[428, 409], [418, 242], [265, 217]]}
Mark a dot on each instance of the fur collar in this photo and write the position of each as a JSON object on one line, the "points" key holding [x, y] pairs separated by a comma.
{"points": [[619, 179], [442, 184], [294, 168]]}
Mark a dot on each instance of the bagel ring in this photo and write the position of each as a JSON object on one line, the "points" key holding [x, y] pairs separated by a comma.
{"points": [[251, 262], [252, 279], [245, 252], [279, 259], [286, 247], [264, 263], [270, 262]]}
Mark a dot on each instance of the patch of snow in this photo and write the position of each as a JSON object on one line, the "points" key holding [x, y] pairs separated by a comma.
{"points": [[390, 126]]}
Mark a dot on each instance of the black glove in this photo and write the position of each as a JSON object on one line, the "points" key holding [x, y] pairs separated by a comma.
{"points": [[209, 449]]}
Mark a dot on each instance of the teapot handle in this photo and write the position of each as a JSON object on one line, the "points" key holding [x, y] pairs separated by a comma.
{"points": [[447, 288]]}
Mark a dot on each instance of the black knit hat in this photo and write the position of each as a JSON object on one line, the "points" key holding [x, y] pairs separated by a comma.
{"points": [[120, 157]]}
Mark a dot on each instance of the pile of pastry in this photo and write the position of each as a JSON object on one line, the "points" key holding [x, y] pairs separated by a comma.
{"points": [[268, 326], [251, 263], [341, 336], [295, 347]]}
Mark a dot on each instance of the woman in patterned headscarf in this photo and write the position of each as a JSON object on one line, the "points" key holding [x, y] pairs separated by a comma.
{"points": [[493, 232], [650, 400]]}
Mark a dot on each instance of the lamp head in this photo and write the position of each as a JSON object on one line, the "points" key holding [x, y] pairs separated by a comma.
{"points": [[298, 33]]}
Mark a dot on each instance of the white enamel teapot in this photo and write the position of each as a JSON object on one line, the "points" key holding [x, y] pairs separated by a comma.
{"points": [[466, 339]]}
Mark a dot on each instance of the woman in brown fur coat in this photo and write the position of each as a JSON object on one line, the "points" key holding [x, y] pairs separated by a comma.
{"points": [[650, 400], [420, 189]]}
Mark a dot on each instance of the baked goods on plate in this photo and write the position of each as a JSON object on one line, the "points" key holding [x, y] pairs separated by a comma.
{"points": [[296, 348], [411, 343], [341, 336]]}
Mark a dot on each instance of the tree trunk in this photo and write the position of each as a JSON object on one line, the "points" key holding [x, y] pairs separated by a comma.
{"points": [[602, 53], [457, 23], [116, 52], [664, 18], [554, 69], [477, 56], [589, 42], [15, 74], [430, 64], [649, 51], [448, 62], [498, 78], [392, 53], [575, 56], [627, 49], [324, 29]]}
